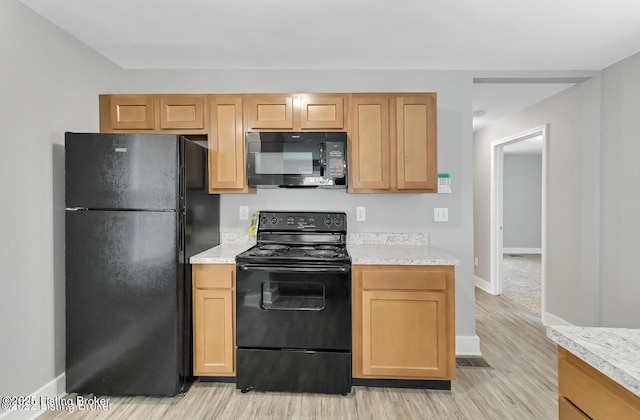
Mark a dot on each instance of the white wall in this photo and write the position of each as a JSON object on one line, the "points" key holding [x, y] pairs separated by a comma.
{"points": [[399, 213], [620, 204], [522, 201], [49, 83], [573, 197]]}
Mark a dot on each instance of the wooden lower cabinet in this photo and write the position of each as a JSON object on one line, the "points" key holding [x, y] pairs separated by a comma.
{"points": [[214, 320], [568, 411], [586, 393], [403, 322]]}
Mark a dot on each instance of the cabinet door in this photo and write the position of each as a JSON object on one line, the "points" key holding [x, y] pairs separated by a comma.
{"points": [[321, 112], [131, 112], [416, 142], [182, 111], [270, 112], [213, 332], [214, 320], [369, 149], [402, 334], [226, 143]]}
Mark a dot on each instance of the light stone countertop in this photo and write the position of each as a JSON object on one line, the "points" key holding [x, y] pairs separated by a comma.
{"points": [[382, 254], [364, 248], [613, 351], [224, 253]]}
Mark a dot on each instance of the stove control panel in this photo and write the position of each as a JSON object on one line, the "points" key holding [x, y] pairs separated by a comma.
{"points": [[297, 221]]}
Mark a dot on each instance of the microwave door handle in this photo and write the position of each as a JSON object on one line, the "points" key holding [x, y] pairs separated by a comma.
{"points": [[323, 163]]}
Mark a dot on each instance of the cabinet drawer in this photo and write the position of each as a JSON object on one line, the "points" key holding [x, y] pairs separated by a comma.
{"points": [[213, 277], [427, 279], [569, 411], [595, 394]]}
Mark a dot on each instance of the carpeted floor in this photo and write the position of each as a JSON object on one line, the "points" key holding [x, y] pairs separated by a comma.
{"points": [[521, 281]]}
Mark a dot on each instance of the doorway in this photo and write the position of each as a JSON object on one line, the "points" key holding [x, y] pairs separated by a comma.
{"points": [[497, 210]]}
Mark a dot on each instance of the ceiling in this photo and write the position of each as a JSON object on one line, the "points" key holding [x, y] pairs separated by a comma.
{"points": [[495, 35], [354, 34], [492, 101]]}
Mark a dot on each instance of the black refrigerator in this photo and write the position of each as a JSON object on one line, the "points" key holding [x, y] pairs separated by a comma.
{"points": [[137, 207]]}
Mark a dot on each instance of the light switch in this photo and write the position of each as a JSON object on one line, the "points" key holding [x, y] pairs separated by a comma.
{"points": [[361, 214], [441, 214], [243, 213]]}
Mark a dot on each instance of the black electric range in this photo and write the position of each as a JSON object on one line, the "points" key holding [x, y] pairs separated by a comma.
{"points": [[293, 305]]}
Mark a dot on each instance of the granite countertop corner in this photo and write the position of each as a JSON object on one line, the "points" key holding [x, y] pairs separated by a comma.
{"points": [[613, 351]]}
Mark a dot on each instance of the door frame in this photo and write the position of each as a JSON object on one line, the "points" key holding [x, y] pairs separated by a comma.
{"points": [[496, 208]]}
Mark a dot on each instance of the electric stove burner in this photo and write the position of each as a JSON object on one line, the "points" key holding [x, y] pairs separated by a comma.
{"points": [[322, 253], [299, 238], [274, 247], [263, 252], [327, 247]]}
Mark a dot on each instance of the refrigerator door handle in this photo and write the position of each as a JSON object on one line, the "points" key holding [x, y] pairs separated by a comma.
{"points": [[181, 233], [181, 186]]}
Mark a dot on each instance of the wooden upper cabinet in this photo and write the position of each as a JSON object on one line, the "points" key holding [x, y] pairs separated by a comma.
{"points": [[182, 111], [226, 144], [369, 149], [128, 112], [318, 112], [392, 136], [270, 112], [416, 142], [295, 112], [393, 143], [180, 114]]}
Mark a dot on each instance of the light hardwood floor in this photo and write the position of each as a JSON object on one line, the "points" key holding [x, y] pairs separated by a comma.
{"points": [[521, 384]]}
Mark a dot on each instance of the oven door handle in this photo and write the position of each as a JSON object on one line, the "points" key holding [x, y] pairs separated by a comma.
{"points": [[296, 268]]}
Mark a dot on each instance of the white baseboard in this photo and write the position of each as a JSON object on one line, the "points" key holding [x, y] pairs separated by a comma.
{"points": [[484, 285], [551, 319], [522, 250], [467, 345], [53, 389]]}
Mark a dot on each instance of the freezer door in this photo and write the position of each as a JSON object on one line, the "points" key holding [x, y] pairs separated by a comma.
{"points": [[122, 171], [123, 325]]}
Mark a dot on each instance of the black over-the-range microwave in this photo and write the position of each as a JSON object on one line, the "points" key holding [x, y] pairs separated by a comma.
{"points": [[296, 159]]}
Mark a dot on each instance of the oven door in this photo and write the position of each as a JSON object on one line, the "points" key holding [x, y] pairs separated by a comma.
{"points": [[293, 306]]}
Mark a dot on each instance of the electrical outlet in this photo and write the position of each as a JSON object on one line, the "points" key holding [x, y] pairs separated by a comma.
{"points": [[361, 214], [441, 214], [243, 213]]}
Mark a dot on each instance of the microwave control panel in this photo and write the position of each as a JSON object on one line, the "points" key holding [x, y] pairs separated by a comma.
{"points": [[336, 162]]}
